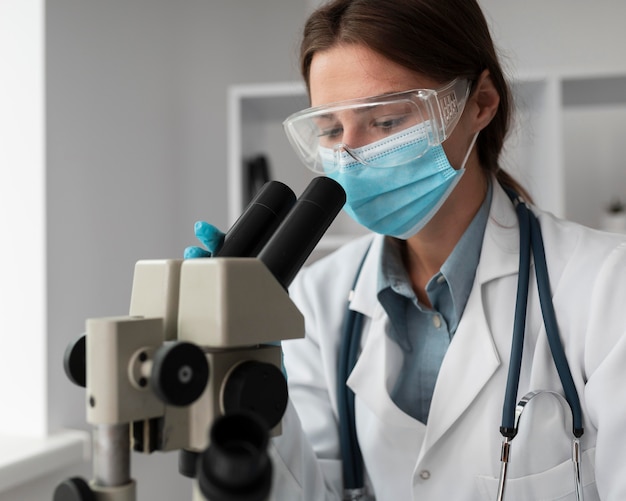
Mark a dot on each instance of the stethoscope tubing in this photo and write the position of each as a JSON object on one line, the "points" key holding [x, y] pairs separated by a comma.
{"points": [[347, 434], [552, 329], [531, 241], [519, 324], [352, 459]]}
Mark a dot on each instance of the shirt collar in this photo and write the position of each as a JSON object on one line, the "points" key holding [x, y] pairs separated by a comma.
{"points": [[448, 296]]}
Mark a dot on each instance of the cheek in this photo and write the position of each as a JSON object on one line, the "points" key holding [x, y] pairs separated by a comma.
{"points": [[454, 151], [457, 145]]}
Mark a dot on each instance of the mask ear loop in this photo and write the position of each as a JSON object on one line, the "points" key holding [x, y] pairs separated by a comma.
{"points": [[469, 150]]}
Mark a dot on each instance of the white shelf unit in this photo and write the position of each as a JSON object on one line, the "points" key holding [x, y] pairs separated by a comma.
{"points": [[565, 145]]}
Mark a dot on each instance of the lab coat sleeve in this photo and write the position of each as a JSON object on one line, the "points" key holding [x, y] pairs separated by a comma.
{"points": [[297, 472], [605, 363], [307, 462]]}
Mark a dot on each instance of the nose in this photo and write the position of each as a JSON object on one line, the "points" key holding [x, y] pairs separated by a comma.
{"points": [[354, 136]]}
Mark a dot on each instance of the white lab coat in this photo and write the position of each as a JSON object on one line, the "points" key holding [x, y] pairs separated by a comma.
{"points": [[457, 455]]}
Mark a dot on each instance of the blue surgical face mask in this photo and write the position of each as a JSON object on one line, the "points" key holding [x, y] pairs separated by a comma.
{"points": [[393, 195]]}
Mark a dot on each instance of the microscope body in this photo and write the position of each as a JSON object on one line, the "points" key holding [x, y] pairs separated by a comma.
{"points": [[147, 387], [196, 365]]}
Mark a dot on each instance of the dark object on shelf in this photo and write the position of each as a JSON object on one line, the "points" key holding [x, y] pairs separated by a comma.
{"points": [[258, 172]]}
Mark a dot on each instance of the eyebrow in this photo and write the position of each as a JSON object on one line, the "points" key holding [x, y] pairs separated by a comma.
{"points": [[333, 116]]}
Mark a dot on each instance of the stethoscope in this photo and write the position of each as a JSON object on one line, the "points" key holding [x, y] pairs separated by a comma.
{"points": [[531, 243]]}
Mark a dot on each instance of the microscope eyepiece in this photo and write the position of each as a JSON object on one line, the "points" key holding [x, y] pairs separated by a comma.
{"points": [[236, 465]]}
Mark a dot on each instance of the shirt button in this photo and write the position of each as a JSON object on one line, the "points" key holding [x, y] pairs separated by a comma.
{"points": [[424, 474], [437, 321], [441, 279]]}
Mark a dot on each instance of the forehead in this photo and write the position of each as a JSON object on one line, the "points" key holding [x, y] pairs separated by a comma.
{"points": [[353, 71]]}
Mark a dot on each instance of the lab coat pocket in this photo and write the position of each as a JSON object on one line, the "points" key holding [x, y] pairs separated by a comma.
{"points": [[555, 484]]}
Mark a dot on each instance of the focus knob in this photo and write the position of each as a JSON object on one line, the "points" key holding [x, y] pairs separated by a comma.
{"points": [[180, 373]]}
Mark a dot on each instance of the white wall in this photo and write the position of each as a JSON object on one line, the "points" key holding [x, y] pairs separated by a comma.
{"points": [[112, 186], [136, 134], [559, 35]]}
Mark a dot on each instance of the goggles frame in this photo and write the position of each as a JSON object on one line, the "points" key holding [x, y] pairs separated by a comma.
{"points": [[440, 109]]}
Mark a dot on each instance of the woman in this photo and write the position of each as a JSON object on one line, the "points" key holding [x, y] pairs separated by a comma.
{"points": [[437, 286]]}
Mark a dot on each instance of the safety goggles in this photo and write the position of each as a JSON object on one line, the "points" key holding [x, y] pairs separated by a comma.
{"points": [[426, 116]]}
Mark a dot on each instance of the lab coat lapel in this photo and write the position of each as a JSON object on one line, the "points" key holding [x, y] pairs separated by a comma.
{"points": [[469, 363], [380, 357], [472, 357]]}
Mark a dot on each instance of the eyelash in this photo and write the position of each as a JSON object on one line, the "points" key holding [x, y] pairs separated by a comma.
{"points": [[390, 124], [385, 124], [334, 132]]}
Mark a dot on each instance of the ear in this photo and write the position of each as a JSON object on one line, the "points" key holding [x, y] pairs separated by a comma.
{"points": [[485, 99]]}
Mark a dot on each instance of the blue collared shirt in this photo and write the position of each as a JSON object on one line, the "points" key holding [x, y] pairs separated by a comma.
{"points": [[423, 333]]}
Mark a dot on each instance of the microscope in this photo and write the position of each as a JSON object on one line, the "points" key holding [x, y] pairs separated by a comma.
{"points": [[196, 366]]}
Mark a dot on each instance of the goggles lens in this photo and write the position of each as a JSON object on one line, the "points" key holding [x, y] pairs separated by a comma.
{"points": [[351, 126]]}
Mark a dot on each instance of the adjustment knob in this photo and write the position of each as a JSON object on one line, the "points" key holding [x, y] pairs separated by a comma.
{"points": [[257, 387], [74, 489], [75, 361], [179, 374]]}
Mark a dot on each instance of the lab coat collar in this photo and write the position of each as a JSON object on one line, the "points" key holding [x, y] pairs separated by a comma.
{"points": [[472, 352], [364, 299]]}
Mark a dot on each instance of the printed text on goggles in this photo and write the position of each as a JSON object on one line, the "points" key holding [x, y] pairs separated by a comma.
{"points": [[429, 114]]}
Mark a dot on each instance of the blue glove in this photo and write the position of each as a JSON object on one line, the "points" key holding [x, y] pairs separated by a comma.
{"points": [[209, 236]]}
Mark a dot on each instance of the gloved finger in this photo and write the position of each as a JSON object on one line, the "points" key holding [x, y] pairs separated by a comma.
{"points": [[195, 252], [211, 237]]}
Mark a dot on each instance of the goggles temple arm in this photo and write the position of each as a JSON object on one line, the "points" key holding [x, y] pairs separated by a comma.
{"points": [[451, 102]]}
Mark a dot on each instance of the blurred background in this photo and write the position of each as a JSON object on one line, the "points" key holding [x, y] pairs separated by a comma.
{"points": [[114, 139]]}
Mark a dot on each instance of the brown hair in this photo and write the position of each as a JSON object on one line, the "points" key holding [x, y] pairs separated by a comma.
{"points": [[443, 39]]}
